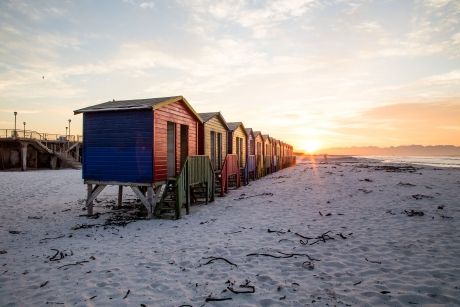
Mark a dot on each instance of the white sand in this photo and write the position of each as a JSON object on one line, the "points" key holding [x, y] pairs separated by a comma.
{"points": [[415, 258]]}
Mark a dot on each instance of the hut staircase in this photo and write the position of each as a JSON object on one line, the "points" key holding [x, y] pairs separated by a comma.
{"points": [[65, 157], [196, 176], [229, 174]]}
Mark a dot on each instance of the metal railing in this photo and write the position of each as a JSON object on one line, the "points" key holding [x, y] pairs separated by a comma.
{"points": [[34, 135]]}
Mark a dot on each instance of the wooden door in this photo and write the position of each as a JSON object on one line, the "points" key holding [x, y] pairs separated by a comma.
{"points": [[212, 143], [219, 151], [183, 144], [171, 148]]}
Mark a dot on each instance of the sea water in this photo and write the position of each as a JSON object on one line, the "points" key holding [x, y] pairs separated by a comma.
{"points": [[440, 161]]}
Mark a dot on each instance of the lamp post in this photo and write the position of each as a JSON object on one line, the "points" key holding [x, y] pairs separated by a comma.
{"points": [[15, 113], [24, 123], [69, 127], [66, 132]]}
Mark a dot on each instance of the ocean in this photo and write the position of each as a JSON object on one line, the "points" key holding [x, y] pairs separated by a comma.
{"points": [[440, 161]]}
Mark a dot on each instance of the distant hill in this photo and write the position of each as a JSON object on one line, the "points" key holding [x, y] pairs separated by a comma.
{"points": [[406, 150]]}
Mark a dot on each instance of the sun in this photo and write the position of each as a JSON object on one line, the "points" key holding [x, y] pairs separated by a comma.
{"points": [[311, 146]]}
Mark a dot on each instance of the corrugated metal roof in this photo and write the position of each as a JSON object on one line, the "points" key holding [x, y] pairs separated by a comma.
{"points": [[127, 104]]}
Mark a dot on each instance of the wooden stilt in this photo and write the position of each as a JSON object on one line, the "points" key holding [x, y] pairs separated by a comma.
{"points": [[151, 200], [147, 204], [120, 196], [89, 206], [92, 194]]}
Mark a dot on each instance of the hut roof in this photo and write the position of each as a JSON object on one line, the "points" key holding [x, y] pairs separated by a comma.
{"points": [[137, 104], [234, 125], [266, 137], [249, 131], [256, 133], [207, 116]]}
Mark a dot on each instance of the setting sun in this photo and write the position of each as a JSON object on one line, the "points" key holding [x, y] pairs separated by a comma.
{"points": [[311, 146]]}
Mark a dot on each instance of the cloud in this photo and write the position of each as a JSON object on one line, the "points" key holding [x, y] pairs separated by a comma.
{"points": [[260, 18], [147, 5]]}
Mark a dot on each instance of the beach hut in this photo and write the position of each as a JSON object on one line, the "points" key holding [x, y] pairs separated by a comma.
{"points": [[259, 152], [250, 172], [149, 145], [237, 140], [267, 154], [212, 138], [213, 142]]}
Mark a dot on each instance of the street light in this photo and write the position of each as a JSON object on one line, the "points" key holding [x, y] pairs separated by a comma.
{"points": [[15, 113], [66, 132], [69, 127], [24, 123]]}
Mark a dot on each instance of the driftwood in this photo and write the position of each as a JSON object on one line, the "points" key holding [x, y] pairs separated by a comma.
{"points": [[215, 299], [414, 213], [278, 231], [53, 238], [70, 264], [59, 255], [321, 238], [127, 293], [377, 262], [246, 285], [219, 258], [283, 255], [357, 283]]}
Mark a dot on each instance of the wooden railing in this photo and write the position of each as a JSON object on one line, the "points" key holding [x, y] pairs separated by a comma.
{"points": [[196, 170], [30, 134], [260, 166], [267, 164], [229, 168], [250, 168]]}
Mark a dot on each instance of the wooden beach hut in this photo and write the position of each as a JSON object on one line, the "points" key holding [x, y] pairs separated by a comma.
{"points": [[213, 142], [267, 154], [259, 152], [150, 145], [250, 171], [212, 138], [237, 140]]}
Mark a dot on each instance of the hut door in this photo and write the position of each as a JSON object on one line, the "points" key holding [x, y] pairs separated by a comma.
{"points": [[183, 144], [213, 148], [171, 146], [219, 150], [238, 150]]}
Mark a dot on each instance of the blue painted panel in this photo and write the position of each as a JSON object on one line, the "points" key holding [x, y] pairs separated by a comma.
{"points": [[118, 146]]}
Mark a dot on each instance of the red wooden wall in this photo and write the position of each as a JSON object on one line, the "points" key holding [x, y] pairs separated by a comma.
{"points": [[179, 114]]}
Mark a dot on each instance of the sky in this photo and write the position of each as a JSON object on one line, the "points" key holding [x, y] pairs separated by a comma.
{"points": [[313, 73]]}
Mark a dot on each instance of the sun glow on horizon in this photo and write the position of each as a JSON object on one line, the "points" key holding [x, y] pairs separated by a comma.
{"points": [[311, 146]]}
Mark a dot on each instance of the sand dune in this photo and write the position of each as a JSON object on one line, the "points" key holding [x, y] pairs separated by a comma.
{"points": [[345, 233]]}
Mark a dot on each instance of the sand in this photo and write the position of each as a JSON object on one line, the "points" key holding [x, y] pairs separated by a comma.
{"points": [[378, 248]]}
